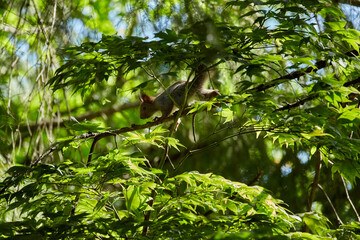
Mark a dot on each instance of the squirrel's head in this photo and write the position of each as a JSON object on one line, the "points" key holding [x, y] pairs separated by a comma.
{"points": [[146, 106]]}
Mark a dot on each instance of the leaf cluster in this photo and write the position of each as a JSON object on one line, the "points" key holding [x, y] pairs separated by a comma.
{"points": [[119, 192]]}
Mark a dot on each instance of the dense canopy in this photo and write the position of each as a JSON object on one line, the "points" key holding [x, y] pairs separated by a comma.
{"points": [[275, 156]]}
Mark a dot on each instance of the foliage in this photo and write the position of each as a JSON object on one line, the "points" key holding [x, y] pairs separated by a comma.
{"points": [[287, 120], [119, 193]]}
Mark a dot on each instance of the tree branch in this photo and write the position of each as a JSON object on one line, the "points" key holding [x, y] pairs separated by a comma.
{"points": [[296, 74], [297, 104], [293, 75], [311, 97], [86, 116], [315, 183], [98, 136], [52, 149]]}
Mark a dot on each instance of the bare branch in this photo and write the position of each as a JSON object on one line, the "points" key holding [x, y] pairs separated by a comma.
{"points": [[349, 199], [332, 205]]}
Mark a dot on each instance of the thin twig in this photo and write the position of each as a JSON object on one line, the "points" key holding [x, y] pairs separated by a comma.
{"points": [[48, 152], [174, 125], [203, 145], [349, 199], [332, 206], [162, 85], [342, 179], [181, 109], [166, 148], [41, 23]]}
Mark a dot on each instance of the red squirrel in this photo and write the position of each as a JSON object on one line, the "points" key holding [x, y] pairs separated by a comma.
{"points": [[149, 105]]}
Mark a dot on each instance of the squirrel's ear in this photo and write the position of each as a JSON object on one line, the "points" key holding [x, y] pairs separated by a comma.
{"points": [[145, 98]]}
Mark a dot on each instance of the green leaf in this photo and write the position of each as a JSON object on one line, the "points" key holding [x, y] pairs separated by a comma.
{"points": [[188, 178], [304, 235], [318, 224], [313, 150], [141, 86], [304, 60], [316, 133], [173, 142], [354, 43], [332, 12], [350, 170], [351, 115], [227, 113], [336, 26], [135, 200]]}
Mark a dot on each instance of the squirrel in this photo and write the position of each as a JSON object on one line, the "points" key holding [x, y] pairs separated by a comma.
{"points": [[149, 105]]}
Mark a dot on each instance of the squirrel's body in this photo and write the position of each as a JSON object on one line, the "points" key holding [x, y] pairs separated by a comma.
{"points": [[150, 105]]}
